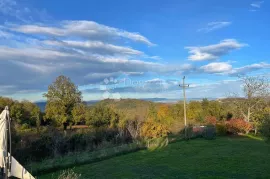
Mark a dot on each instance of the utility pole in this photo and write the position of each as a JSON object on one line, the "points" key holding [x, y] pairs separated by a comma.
{"points": [[184, 86]]}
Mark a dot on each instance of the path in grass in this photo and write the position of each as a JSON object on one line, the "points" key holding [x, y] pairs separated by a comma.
{"points": [[220, 158]]}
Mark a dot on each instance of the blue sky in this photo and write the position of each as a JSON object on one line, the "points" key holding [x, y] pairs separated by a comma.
{"points": [[132, 49]]}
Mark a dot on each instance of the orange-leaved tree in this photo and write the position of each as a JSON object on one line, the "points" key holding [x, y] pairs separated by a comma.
{"points": [[153, 127]]}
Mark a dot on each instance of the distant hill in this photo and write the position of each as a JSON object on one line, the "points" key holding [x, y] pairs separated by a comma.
{"points": [[42, 104], [130, 107], [128, 103]]}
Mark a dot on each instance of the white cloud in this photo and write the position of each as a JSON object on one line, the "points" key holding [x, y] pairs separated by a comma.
{"points": [[257, 4], [249, 68], [211, 26], [134, 73], [213, 52], [155, 57], [37, 67], [226, 69], [5, 35], [40, 68], [37, 53], [88, 29], [216, 67], [101, 76], [217, 89], [95, 47], [155, 80], [170, 89]]}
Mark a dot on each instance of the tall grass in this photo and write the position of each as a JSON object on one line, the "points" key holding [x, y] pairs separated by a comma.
{"points": [[69, 174]]}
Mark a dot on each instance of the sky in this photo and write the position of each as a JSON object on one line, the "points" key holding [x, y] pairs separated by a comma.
{"points": [[132, 49]]}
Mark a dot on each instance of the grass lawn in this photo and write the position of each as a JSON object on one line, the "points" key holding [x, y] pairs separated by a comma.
{"points": [[221, 158]]}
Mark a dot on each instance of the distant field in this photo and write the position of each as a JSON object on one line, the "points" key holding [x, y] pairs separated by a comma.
{"points": [[220, 158]]}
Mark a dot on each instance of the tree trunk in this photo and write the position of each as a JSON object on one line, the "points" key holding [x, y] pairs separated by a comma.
{"points": [[248, 115]]}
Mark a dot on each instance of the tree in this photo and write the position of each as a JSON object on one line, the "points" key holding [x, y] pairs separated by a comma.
{"points": [[17, 112], [205, 106], [215, 109], [35, 115], [62, 96], [5, 102], [154, 127], [31, 113], [194, 111], [102, 116], [255, 91], [79, 113], [152, 112], [164, 114], [178, 112]]}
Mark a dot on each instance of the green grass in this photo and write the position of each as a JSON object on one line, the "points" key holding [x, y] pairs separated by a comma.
{"points": [[221, 158], [76, 159]]}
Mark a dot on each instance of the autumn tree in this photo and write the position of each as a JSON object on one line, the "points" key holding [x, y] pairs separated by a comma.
{"points": [[255, 91], [154, 127], [17, 112], [216, 109], [164, 114], [194, 111], [205, 106], [212, 108], [102, 116], [177, 112], [31, 113], [79, 113], [62, 96], [5, 102], [36, 116]]}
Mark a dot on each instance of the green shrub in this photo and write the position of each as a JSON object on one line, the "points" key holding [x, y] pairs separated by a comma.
{"points": [[265, 127], [77, 142], [42, 148], [32, 146], [221, 129], [25, 126]]}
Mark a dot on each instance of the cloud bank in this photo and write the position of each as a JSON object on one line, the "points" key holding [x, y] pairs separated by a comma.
{"points": [[213, 52]]}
